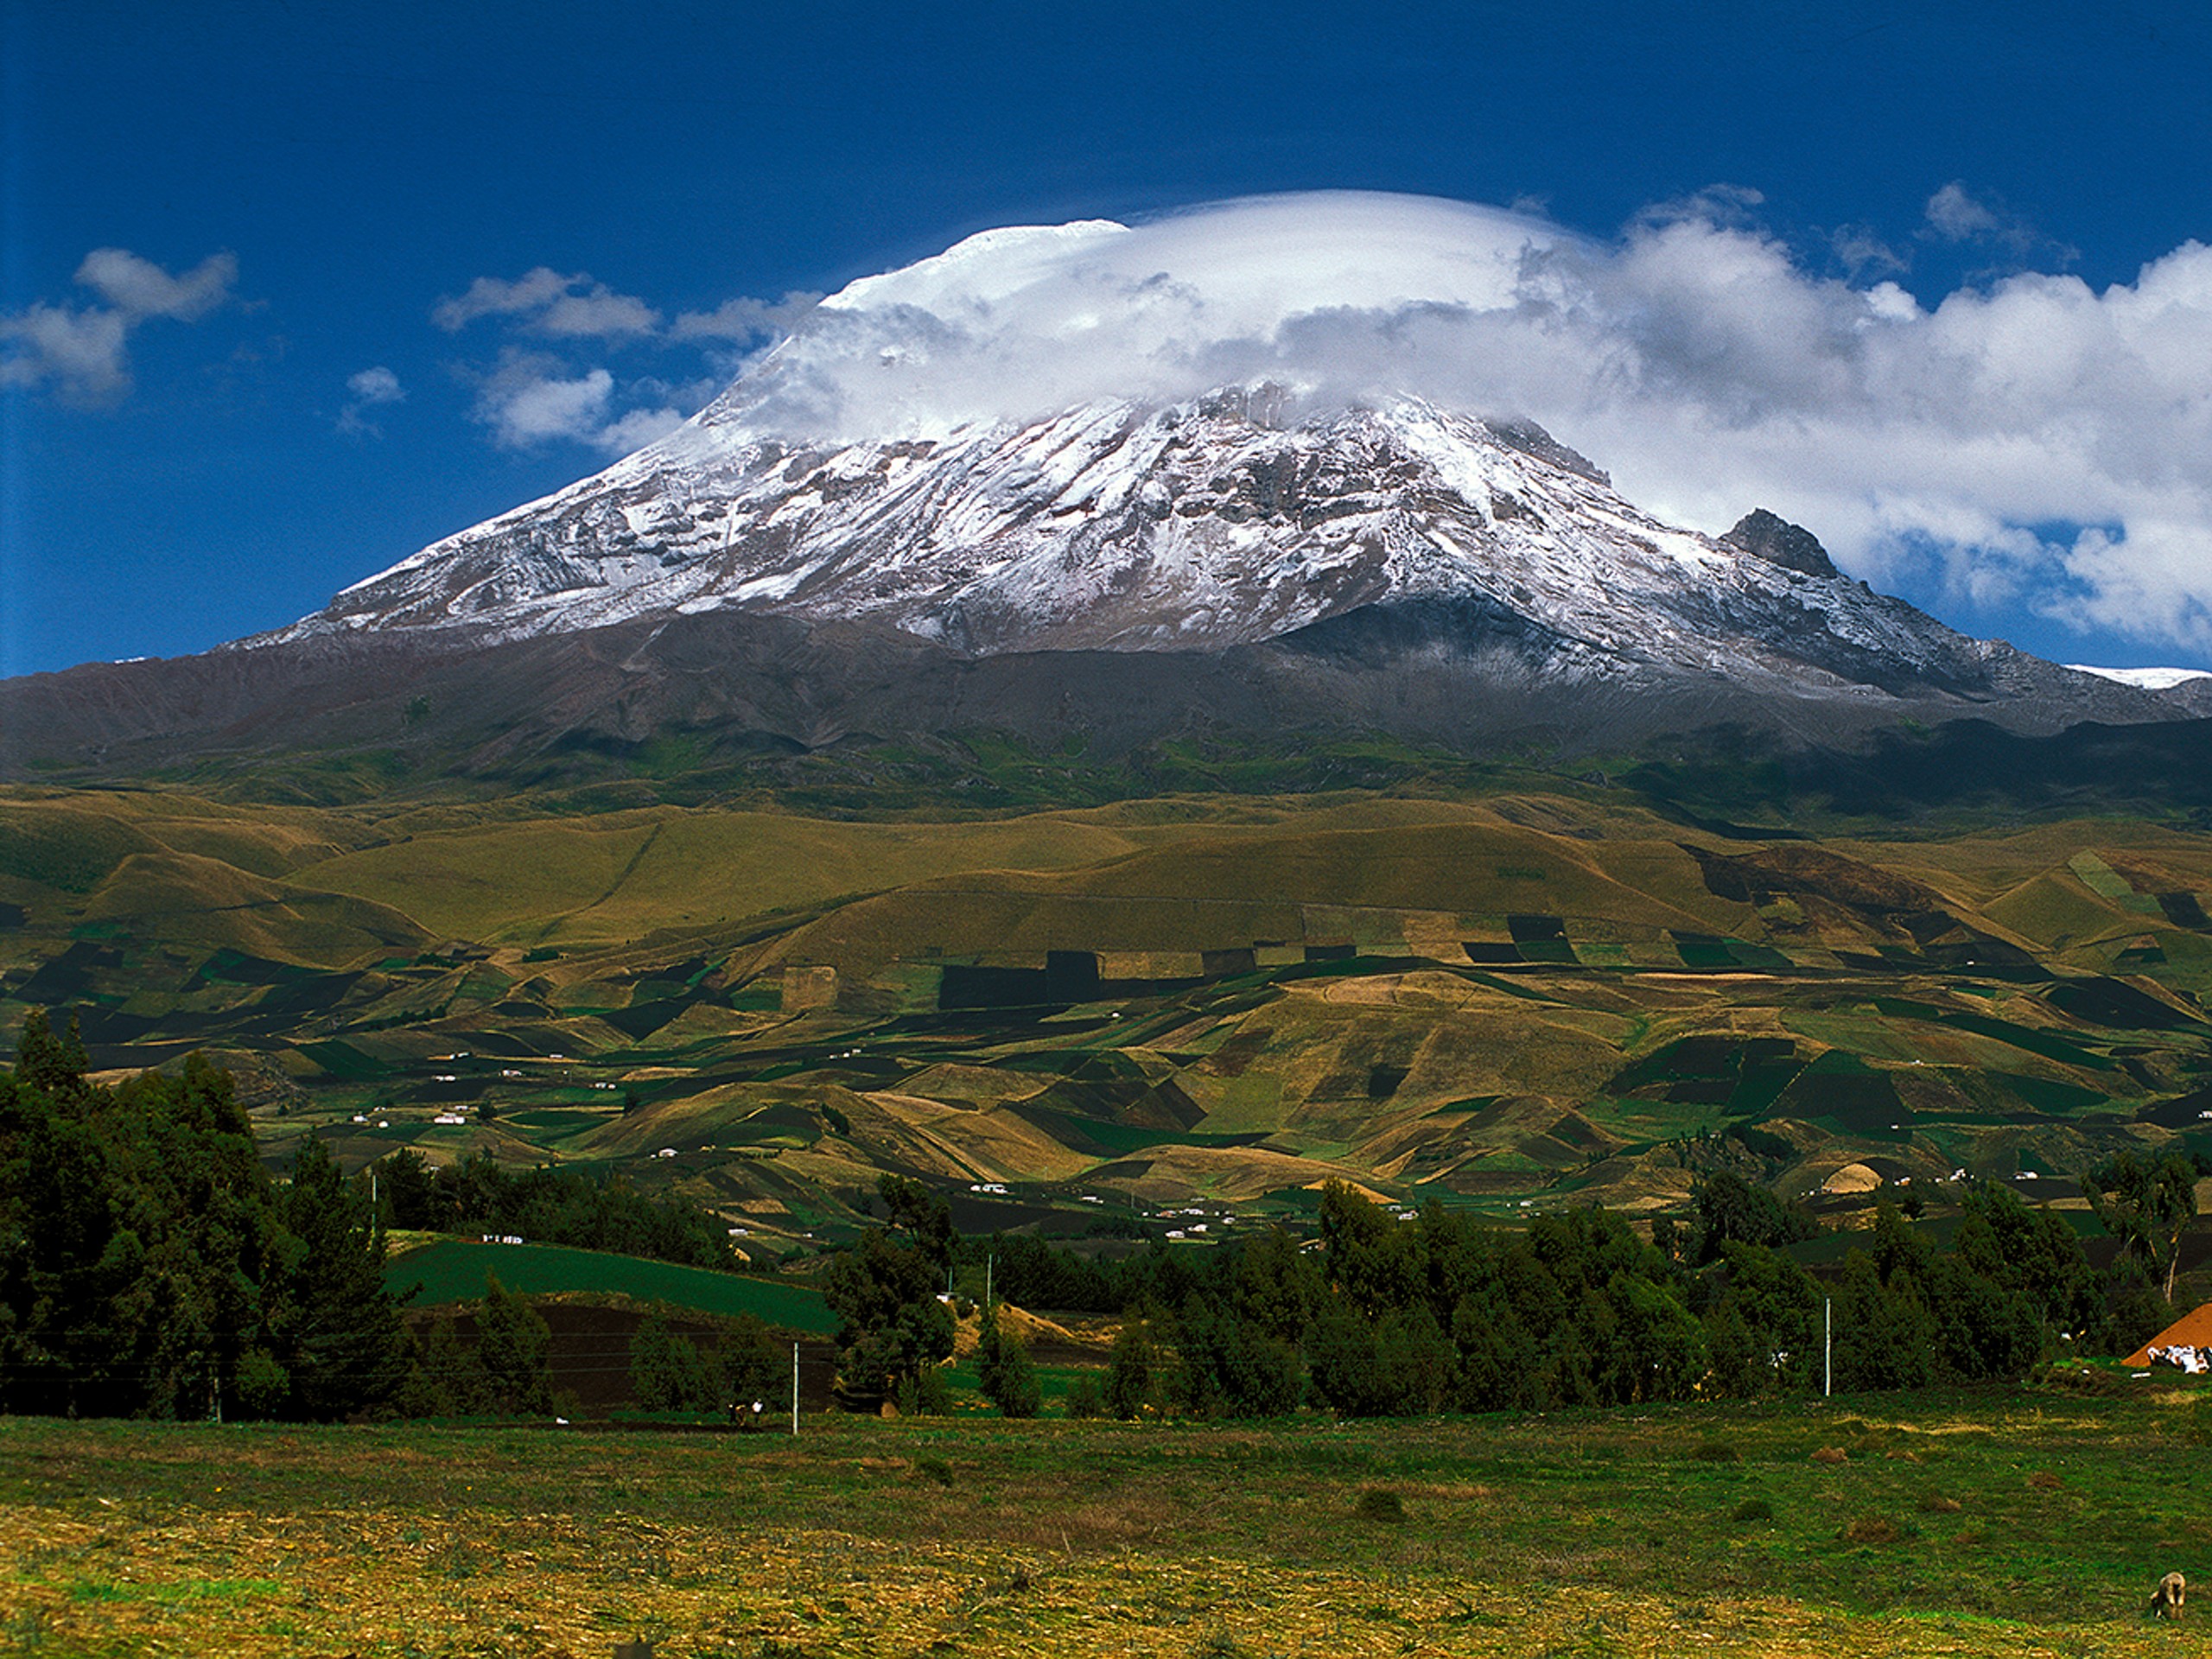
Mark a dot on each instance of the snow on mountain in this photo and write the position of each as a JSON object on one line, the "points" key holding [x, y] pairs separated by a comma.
{"points": [[2144, 679], [999, 450]]}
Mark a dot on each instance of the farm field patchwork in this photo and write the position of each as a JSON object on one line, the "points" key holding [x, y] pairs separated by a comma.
{"points": [[2016, 1522], [1084, 1015]]}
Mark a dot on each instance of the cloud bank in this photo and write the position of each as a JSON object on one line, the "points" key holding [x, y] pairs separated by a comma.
{"points": [[81, 352], [2027, 441]]}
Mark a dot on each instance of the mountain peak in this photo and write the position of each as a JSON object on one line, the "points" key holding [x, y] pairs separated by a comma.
{"points": [[1768, 536]]}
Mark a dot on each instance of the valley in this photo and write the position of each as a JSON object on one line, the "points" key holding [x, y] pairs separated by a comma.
{"points": [[1183, 1011]]}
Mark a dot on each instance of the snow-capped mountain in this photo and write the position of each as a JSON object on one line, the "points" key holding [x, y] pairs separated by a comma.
{"points": [[857, 475], [1216, 523], [1022, 488]]}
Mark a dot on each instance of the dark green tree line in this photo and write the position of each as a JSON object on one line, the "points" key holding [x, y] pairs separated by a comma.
{"points": [[149, 1267], [1382, 1314], [548, 1205]]}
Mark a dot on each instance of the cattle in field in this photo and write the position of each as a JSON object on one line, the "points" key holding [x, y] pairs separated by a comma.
{"points": [[2166, 1600]]}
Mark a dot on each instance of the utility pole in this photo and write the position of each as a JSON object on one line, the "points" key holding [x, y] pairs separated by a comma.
{"points": [[1827, 1346], [794, 1389]]}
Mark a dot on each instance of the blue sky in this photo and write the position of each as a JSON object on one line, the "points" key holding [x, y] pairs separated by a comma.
{"points": [[316, 340]]}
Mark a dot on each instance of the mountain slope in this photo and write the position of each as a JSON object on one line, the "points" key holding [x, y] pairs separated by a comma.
{"points": [[1200, 527]]}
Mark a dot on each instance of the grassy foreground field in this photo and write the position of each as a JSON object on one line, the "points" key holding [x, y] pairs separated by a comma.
{"points": [[2026, 1523]]}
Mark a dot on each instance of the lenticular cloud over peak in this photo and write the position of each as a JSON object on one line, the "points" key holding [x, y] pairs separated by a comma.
{"points": [[1325, 294], [2033, 442]]}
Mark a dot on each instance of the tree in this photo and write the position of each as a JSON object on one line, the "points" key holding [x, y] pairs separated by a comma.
{"points": [[140, 1249], [1779, 1309], [1007, 1379], [2034, 1253], [752, 1363], [1132, 1369], [891, 1326], [922, 1214], [2148, 1206], [1884, 1336], [1497, 1356], [52, 1066], [667, 1372], [1229, 1365], [1374, 1262], [333, 1325], [1730, 1210], [1661, 1343], [444, 1377], [513, 1345]]}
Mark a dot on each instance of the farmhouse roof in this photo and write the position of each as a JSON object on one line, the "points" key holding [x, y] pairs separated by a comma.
{"points": [[2190, 1330]]}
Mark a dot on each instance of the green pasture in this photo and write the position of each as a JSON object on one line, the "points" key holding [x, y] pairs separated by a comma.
{"points": [[454, 1270]]}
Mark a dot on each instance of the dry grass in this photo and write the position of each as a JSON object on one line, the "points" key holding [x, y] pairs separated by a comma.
{"points": [[230, 1582], [1570, 1534]]}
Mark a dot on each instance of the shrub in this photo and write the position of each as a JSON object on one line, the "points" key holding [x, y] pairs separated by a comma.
{"points": [[1936, 1503], [1008, 1380], [936, 1469], [1754, 1509], [1084, 1397], [1376, 1505], [926, 1394], [1871, 1530], [1714, 1451], [1132, 1384]]}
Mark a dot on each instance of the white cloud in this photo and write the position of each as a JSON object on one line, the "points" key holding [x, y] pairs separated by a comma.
{"points": [[79, 353], [534, 398], [744, 319], [82, 352], [1957, 217], [531, 399], [527, 400], [545, 301], [636, 430], [1864, 253], [598, 314], [139, 287], [2032, 441], [377, 385], [369, 388]]}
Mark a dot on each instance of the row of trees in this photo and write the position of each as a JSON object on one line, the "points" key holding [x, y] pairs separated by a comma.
{"points": [[1380, 1316], [670, 1371], [546, 1204]]}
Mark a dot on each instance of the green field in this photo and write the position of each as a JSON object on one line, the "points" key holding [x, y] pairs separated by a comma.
{"points": [[454, 1270], [2019, 1522]]}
